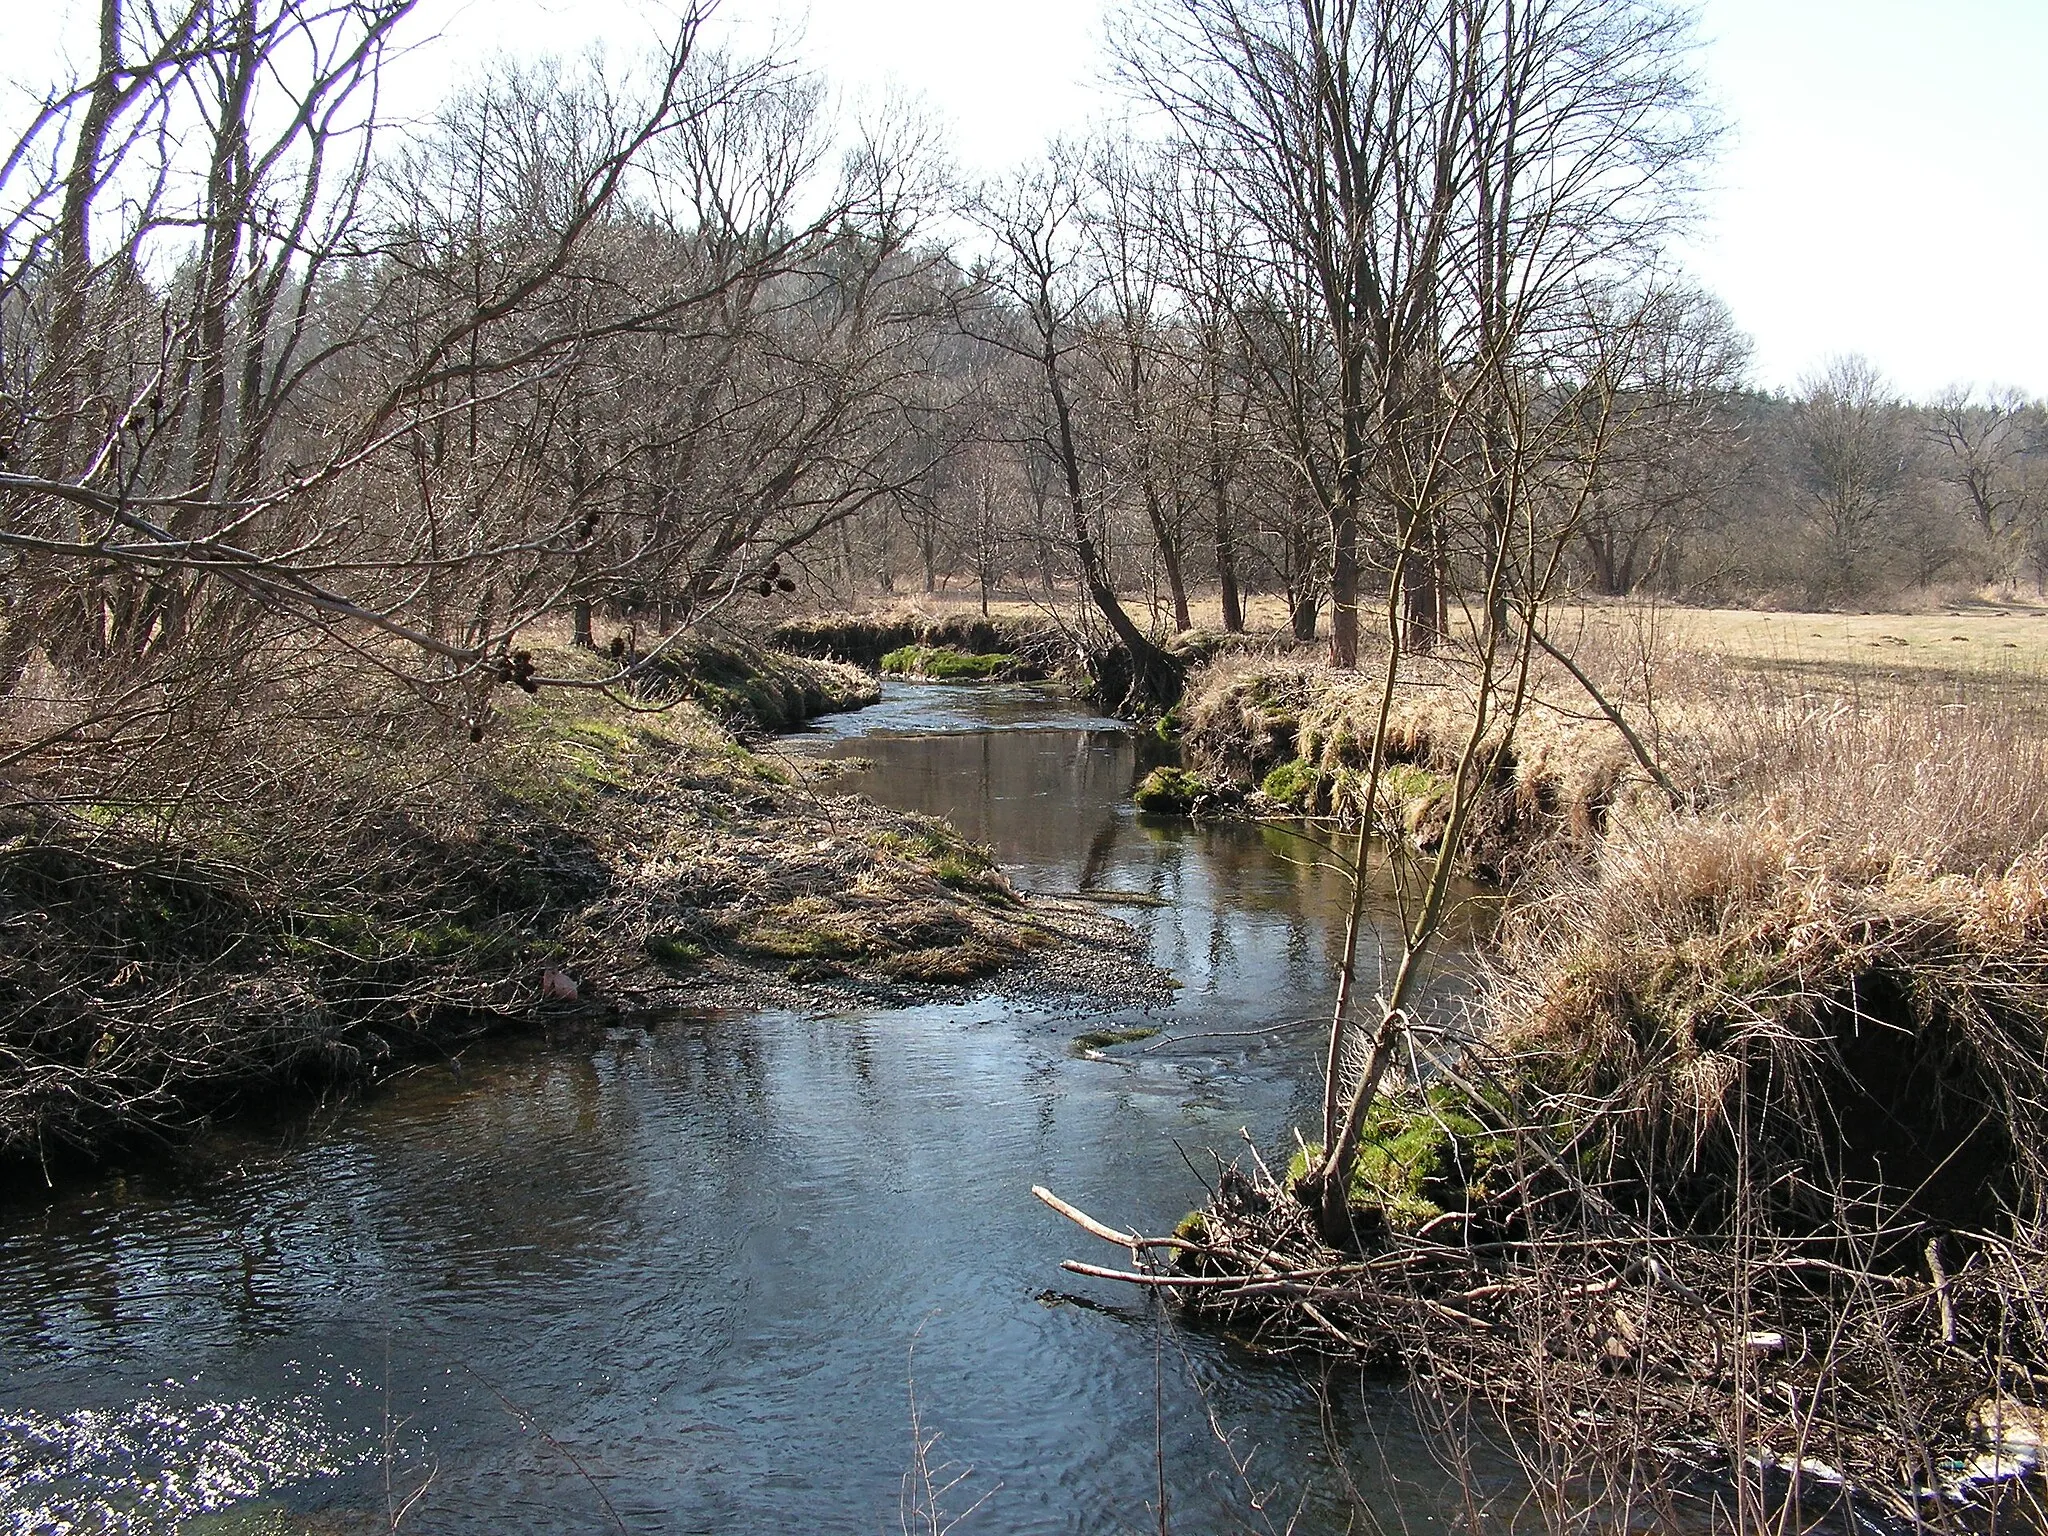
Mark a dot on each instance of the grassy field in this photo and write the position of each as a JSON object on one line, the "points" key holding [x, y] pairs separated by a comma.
{"points": [[2004, 646]]}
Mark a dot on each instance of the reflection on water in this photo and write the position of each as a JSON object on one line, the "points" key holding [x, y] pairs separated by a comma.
{"points": [[1253, 913], [675, 1275]]}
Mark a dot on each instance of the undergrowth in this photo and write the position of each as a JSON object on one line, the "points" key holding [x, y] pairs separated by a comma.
{"points": [[315, 905]]}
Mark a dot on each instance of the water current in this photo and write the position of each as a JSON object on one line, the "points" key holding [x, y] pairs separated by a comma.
{"points": [[688, 1277]]}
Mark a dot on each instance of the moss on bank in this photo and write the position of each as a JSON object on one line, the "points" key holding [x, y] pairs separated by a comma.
{"points": [[1422, 1152], [1845, 924], [945, 664], [1176, 792], [373, 901], [1036, 647], [1104, 1039]]}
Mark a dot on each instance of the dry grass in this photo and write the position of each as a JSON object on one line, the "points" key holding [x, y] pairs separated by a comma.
{"points": [[1772, 1063], [294, 901], [1248, 715]]}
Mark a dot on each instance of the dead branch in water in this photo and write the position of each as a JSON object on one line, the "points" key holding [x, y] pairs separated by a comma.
{"points": [[1606, 1343]]}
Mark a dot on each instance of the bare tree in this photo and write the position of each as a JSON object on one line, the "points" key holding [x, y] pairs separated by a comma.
{"points": [[1680, 452], [1045, 292], [1428, 178], [1988, 449], [594, 340], [1850, 429]]}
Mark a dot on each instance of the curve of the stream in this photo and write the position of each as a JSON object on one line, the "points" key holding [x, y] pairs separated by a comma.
{"points": [[687, 1278]]}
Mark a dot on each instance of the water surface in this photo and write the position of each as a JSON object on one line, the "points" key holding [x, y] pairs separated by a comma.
{"points": [[686, 1277]]}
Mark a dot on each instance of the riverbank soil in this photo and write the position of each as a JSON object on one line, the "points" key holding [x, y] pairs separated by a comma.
{"points": [[1745, 1159], [329, 904]]}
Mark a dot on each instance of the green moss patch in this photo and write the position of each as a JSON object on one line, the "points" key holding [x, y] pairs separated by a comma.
{"points": [[1420, 1154], [1294, 784], [1168, 792], [944, 664], [1103, 1039], [672, 951]]}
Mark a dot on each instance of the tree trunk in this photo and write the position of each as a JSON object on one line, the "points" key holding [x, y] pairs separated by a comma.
{"points": [[1155, 677], [1226, 558], [1600, 547], [227, 196], [1343, 587], [1169, 558], [1422, 594], [1302, 612]]}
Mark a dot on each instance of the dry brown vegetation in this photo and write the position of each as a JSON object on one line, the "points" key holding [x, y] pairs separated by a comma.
{"points": [[1743, 1158], [304, 906]]}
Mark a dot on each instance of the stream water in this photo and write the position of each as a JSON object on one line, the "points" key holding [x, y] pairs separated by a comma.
{"points": [[687, 1278]]}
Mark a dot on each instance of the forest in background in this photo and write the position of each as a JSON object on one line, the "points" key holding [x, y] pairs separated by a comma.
{"points": [[295, 399]]}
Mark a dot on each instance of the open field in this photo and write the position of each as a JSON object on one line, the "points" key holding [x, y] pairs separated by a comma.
{"points": [[2006, 646], [1972, 650]]}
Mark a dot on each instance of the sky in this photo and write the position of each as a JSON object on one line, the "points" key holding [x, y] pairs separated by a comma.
{"points": [[1883, 188]]}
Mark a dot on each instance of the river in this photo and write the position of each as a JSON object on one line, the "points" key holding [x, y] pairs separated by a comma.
{"points": [[688, 1277]]}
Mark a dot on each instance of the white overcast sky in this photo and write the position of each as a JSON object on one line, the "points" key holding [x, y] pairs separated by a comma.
{"points": [[1885, 188]]}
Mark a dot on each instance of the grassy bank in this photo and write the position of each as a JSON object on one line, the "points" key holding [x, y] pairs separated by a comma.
{"points": [[324, 908], [1028, 642], [1745, 1148]]}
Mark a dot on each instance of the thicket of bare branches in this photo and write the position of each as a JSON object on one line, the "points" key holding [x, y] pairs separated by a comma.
{"points": [[284, 384]]}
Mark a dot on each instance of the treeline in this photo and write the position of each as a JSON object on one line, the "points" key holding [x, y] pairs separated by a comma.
{"points": [[1841, 492], [1368, 300]]}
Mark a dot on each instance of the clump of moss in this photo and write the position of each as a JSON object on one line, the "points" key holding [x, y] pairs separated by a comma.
{"points": [[672, 951], [1295, 784], [1169, 792], [945, 664], [962, 871], [1420, 1154], [953, 861], [1241, 720], [808, 928], [1103, 1039], [1404, 784]]}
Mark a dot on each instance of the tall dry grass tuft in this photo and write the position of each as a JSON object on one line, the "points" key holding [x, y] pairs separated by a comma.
{"points": [[1906, 784]]}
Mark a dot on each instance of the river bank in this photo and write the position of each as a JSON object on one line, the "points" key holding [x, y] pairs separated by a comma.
{"points": [[1742, 1146], [375, 903], [710, 1256]]}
